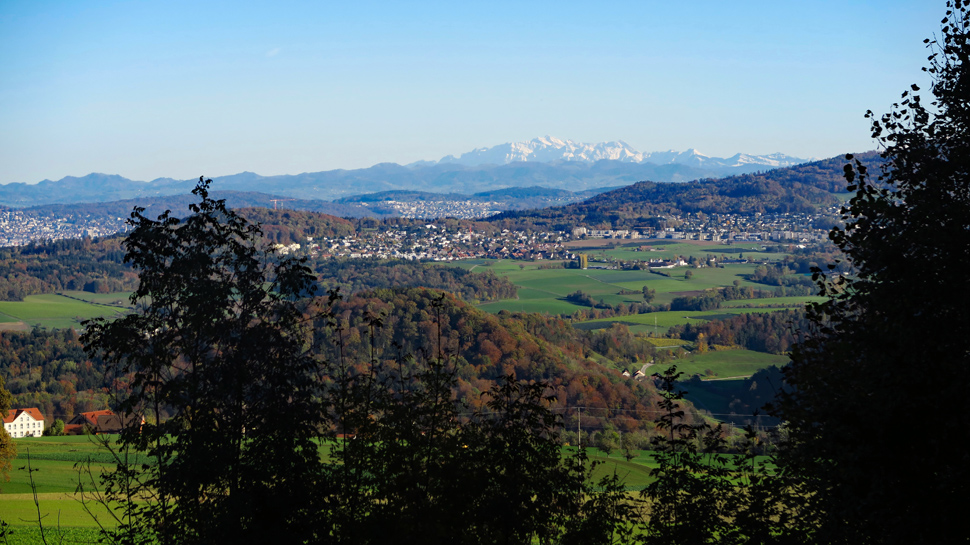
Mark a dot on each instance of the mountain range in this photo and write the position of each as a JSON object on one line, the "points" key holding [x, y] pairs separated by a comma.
{"points": [[550, 149], [545, 162]]}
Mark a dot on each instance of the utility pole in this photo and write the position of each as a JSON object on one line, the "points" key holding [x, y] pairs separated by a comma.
{"points": [[579, 427]]}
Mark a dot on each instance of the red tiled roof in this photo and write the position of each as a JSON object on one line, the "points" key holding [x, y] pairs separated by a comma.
{"points": [[12, 414], [92, 416]]}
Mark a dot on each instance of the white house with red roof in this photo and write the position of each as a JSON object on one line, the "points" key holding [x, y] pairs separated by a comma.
{"points": [[24, 422]]}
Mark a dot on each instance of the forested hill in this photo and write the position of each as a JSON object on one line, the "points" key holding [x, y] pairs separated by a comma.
{"points": [[286, 226], [179, 205], [798, 189], [50, 370], [485, 347]]}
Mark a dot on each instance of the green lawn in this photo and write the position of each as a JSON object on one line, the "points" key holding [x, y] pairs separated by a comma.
{"points": [[55, 311]]}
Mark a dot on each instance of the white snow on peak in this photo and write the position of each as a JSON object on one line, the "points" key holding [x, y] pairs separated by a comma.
{"points": [[547, 149]]}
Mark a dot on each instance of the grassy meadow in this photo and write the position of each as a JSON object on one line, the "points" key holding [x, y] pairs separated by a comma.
{"points": [[61, 311], [724, 363], [544, 290], [56, 462]]}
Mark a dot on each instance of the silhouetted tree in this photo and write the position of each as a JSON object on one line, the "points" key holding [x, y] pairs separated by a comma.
{"points": [[219, 343], [880, 382], [220, 356]]}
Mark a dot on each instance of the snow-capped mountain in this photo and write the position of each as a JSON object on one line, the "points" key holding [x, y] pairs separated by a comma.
{"points": [[549, 149]]}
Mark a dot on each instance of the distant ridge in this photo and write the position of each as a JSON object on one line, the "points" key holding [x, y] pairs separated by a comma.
{"points": [[550, 149], [546, 162]]}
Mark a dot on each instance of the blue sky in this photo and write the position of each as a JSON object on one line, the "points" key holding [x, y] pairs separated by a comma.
{"points": [[182, 89]]}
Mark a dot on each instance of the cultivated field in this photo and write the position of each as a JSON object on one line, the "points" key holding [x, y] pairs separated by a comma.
{"points": [[57, 462], [60, 311], [724, 363], [544, 290]]}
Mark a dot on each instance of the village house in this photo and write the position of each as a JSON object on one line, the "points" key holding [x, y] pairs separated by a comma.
{"points": [[96, 422], [24, 422]]}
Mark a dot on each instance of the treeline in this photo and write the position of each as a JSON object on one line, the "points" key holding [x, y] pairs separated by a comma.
{"points": [[487, 347], [96, 266], [711, 299], [292, 226], [797, 189], [355, 275], [620, 345], [707, 300], [50, 370], [772, 332]]}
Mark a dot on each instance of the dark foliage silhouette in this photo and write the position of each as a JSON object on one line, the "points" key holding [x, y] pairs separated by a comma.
{"points": [[886, 353]]}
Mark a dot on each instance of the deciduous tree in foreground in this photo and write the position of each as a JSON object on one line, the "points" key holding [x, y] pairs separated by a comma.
{"points": [[252, 437]]}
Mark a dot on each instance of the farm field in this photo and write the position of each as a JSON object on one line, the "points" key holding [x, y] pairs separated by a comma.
{"points": [[115, 299], [55, 311], [659, 322], [790, 302], [724, 363], [56, 479], [543, 290], [646, 249]]}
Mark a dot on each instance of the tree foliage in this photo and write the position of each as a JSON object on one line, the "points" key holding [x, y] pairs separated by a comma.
{"points": [[886, 353], [702, 495], [218, 341], [254, 435], [8, 451]]}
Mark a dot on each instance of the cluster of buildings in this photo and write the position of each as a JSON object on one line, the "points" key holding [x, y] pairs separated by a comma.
{"points": [[436, 243], [444, 209], [789, 228], [30, 422], [20, 227]]}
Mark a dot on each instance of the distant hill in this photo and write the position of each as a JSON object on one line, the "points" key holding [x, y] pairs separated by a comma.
{"points": [[797, 189], [180, 204], [544, 162], [373, 205]]}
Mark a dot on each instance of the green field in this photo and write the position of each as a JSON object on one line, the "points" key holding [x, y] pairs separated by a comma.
{"points": [[724, 363], [647, 249], [55, 461], [55, 479], [116, 299], [659, 322], [790, 302], [56, 311], [544, 290]]}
